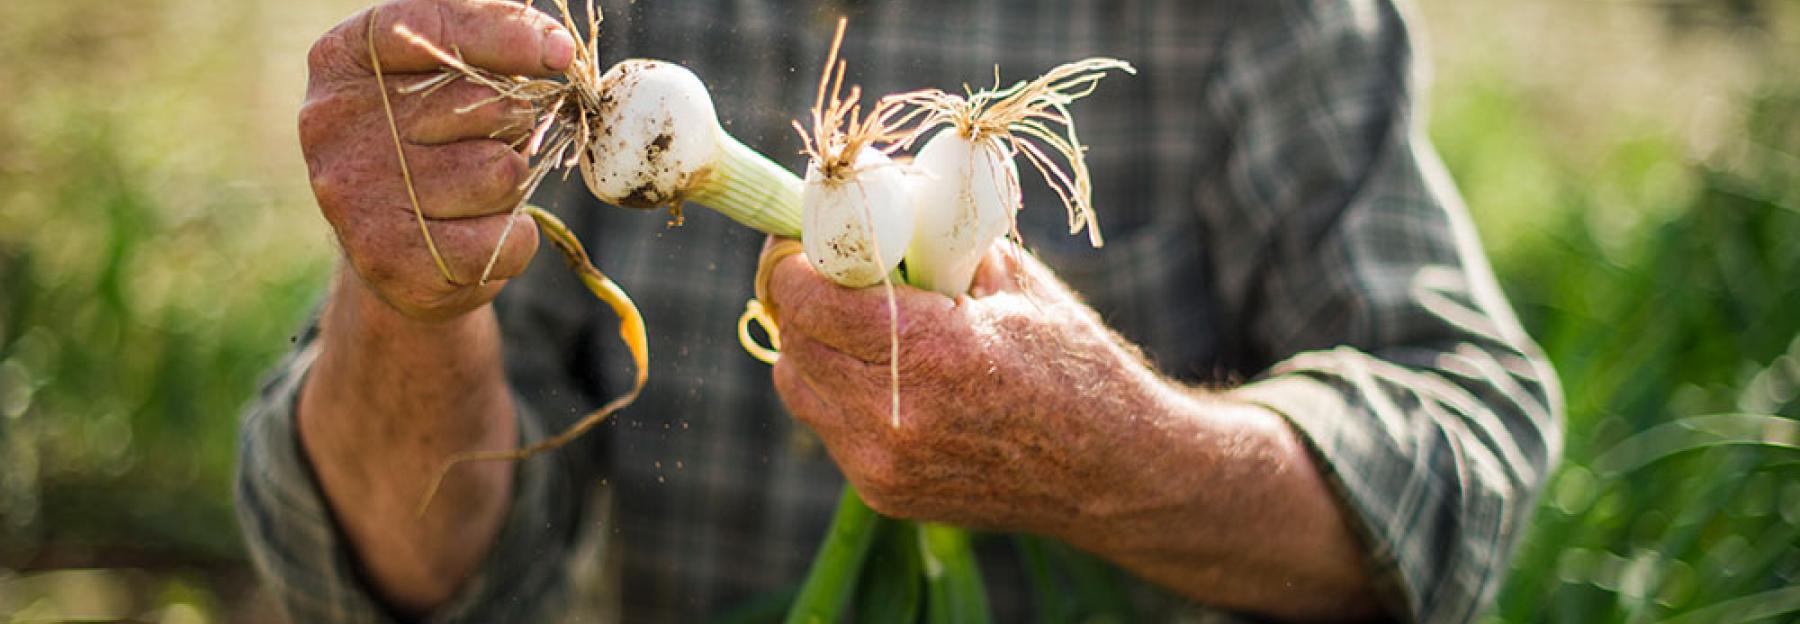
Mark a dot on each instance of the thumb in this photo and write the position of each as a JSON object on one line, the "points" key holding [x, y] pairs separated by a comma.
{"points": [[1002, 270]]}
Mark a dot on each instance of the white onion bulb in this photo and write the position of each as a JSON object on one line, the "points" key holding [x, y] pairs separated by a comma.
{"points": [[856, 229], [655, 133], [966, 196]]}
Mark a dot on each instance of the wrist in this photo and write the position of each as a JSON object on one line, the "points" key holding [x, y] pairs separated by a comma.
{"points": [[351, 294], [1148, 426], [389, 399], [378, 364], [366, 312]]}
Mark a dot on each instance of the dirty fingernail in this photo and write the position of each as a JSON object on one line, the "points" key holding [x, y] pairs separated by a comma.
{"points": [[558, 50]]}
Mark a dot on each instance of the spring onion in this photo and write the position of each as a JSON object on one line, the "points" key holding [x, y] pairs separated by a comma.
{"points": [[969, 193]]}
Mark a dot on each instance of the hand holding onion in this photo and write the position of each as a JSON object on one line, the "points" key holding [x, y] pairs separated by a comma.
{"points": [[993, 436], [466, 179]]}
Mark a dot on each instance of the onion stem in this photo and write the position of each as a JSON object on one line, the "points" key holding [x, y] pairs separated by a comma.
{"points": [[836, 567], [751, 189], [953, 588]]}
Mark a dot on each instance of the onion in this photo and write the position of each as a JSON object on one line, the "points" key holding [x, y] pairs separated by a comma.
{"points": [[857, 224], [966, 196], [969, 192]]}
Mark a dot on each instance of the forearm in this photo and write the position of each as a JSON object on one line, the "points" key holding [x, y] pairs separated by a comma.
{"points": [[1022, 411], [1222, 502], [389, 399]]}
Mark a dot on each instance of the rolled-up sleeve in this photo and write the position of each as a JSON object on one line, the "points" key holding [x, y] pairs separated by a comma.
{"points": [[307, 564], [1349, 265]]}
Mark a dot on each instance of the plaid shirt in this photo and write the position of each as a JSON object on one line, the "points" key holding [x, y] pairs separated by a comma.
{"points": [[1273, 215]]}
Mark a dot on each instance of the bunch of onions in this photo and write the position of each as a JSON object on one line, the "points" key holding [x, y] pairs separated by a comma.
{"points": [[863, 214], [644, 134]]}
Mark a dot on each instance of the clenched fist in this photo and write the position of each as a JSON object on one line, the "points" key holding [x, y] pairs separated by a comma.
{"points": [[466, 176]]}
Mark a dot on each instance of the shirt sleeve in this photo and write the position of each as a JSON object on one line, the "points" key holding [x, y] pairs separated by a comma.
{"points": [[1350, 270], [307, 564]]}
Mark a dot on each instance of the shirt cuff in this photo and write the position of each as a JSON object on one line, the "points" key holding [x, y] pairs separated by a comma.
{"points": [[1317, 411], [307, 563], [1435, 474]]}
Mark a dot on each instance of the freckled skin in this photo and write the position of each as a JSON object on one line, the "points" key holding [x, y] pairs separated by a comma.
{"points": [[1021, 411]]}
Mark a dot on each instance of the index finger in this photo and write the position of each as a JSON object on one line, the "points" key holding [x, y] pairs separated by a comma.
{"points": [[500, 36], [854, 321]]}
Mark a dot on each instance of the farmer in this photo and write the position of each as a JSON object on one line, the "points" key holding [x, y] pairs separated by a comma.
{"points": [[1287, 387]]}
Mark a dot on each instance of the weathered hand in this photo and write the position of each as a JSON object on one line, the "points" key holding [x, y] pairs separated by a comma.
{"points": [[1021, 411], [465, 174], [1008, 397]]}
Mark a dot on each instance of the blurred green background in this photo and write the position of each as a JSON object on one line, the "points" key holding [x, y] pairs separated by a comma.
{"points": [[1634, 167]]}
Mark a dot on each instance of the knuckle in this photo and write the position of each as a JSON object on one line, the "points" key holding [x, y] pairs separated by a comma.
{"points": [[319, 118], [794, 279], [323, 53], [492, 176], [330, 56], [782, 287], [332, 188], [440, 17], [889, 500], [815, 314], [507, 171]]}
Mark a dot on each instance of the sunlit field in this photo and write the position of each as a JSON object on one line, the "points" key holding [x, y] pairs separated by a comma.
{"points": [[1634, 168]]}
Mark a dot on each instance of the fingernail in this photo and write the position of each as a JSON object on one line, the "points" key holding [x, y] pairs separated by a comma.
{"points": [[558, 50]]}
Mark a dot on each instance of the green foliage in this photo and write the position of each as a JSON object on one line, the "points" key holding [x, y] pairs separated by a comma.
{"points": [[118, 397], [1676, 341], [150, 270]]}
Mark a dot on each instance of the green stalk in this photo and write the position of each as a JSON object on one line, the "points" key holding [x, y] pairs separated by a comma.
{"points": [[1052, 600], [890, 589], [751, 189], [1097, 587], [836, 567], [953, 589]]}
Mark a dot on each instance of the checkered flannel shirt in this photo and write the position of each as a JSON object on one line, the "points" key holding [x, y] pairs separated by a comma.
{"points": [[1274, 218]]}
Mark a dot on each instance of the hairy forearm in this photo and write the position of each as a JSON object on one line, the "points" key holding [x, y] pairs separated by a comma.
{"points": [[387, 401], [1222, 502], [1022, 411]]}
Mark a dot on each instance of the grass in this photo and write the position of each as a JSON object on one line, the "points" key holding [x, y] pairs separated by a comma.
{"points": [[157, 246]]}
